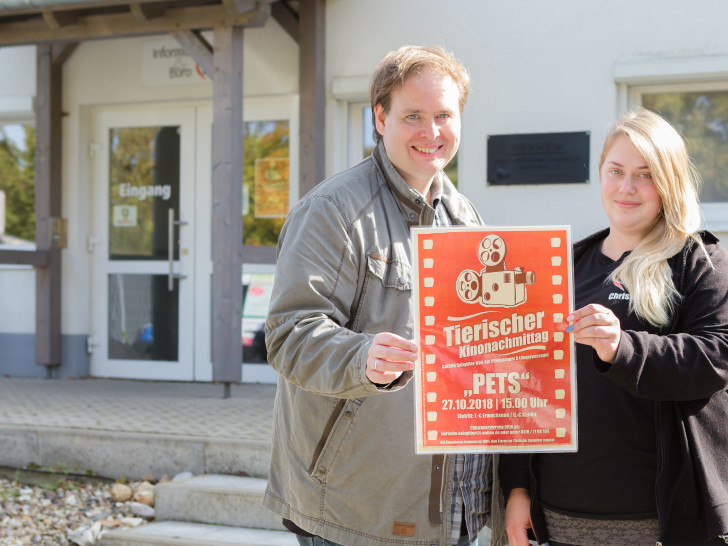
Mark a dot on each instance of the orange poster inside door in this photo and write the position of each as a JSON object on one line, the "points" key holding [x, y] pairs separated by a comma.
{"points": [[496, 368]]}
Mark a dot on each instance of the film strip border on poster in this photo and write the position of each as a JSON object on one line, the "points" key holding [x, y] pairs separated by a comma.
{"points": [[516, 391]]}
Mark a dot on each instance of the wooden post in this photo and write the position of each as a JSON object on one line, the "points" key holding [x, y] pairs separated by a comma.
{"points": [[48, 206], [227, 198], [313, 93]]}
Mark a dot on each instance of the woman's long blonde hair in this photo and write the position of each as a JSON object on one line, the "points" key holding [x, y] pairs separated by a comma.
{"points": [[645, 272]]}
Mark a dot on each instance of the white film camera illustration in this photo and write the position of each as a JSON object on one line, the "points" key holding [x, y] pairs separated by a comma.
{"points": [[495, 285]]}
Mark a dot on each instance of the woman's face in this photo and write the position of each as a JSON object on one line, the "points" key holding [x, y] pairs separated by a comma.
{"points": [[629, 195]]}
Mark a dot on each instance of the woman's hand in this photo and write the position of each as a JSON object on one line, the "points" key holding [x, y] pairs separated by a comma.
{"points": [[390, 355], [596, 326], [518, 517]]}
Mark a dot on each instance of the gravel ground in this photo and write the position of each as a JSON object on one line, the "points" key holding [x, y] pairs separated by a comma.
{"points": [[51, 509]]}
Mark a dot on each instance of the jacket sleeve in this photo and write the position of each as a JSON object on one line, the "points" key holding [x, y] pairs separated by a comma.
{"points": [[513, 472], [316, 283], [692, 362]]}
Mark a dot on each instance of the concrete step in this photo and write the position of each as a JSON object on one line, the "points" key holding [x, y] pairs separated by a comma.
{"points": [[221, 500], [113, 454], [195, 534]]}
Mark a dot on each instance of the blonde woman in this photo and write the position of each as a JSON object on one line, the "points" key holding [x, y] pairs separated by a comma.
{"points": [[651, 326]]}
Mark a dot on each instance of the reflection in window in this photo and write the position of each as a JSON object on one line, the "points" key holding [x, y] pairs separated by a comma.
{"points": [[702, 118], [451, 170], [17, 183], [143, 317], [257, 290], [368, 138], [143, 186], [266, 181]]}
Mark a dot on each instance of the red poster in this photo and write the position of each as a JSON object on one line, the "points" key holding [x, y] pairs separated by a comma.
{"points": [[496, 368]]}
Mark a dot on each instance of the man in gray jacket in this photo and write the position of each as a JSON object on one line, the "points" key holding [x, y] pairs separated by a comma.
{"points": [[344, 469]]}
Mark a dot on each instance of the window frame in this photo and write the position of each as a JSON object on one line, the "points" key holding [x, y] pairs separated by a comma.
{"points": [[715, 214], [355, 131], [634, 77]]}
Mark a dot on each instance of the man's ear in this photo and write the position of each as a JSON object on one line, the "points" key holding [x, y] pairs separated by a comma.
{"points": [[380, 118]]}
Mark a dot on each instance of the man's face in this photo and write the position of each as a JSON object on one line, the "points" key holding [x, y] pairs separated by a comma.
{"points": [[421, 131]]}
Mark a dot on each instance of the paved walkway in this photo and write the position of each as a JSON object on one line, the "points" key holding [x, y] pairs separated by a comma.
{"points": [[147, 407], [151, 411]]}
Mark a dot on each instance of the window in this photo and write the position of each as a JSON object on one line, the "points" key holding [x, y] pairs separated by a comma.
{"points": [[702, 118], [266, 181], [699, 111], [17, 184], [691, 93]]}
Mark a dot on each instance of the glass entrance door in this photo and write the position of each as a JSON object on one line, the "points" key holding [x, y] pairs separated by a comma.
{"points": [[142, 243]]}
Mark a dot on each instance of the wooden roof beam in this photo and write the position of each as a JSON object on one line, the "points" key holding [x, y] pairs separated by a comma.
{"points": [[197, 47], [25, 7], [144, 12], [125, 24], [61, 52], [287, 18], [59, 19]]}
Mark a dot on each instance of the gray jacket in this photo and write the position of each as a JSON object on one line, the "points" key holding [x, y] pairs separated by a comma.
{"points": [[343, 464]]}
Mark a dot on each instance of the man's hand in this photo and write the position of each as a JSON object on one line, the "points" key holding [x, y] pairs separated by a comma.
{"points": [[389, 356]]}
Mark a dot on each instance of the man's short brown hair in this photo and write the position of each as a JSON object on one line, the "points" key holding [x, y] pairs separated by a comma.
{"points": [[397, 66]]}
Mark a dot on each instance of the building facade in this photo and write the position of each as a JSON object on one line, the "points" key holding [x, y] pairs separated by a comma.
{"points": [[547, 81]]}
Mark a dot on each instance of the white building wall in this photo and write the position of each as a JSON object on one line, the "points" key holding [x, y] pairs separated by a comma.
{"points": [[536, 67], [17, 81], [17, 298], [17, 89]]}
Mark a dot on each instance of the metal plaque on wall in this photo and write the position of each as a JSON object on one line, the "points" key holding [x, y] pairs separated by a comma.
{"points": [[539, 158]]}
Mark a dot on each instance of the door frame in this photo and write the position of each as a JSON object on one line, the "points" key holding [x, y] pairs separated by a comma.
{"points": [[196, 148], [102, 119]]}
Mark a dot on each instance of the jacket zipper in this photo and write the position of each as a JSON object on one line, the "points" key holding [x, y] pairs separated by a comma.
{"points": [[659, 469], [533, 496], [658, 415]]}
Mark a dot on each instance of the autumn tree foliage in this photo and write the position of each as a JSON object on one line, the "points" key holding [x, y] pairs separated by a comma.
{"points": [[17, 180]]}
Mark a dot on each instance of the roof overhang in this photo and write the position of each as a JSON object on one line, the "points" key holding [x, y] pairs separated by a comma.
{"points": [[25, 22]]}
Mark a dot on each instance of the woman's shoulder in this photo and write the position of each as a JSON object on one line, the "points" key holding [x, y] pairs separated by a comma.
{"points": [[708, 237], [707, 260], [709, 242]]}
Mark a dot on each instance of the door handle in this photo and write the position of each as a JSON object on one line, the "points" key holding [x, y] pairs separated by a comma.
{"points": [[171, 222]]}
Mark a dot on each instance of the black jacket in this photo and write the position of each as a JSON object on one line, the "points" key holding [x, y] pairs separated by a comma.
{"points": [[685, 371]]}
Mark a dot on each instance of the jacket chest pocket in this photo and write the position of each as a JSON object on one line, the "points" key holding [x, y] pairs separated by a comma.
{"points": [[390, 273], [385, 303]]}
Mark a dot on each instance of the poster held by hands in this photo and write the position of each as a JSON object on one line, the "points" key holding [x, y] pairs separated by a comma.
{"points": [[496, 371]]}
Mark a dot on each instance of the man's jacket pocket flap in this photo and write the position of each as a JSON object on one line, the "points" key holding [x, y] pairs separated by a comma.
{"points": [[392, 273]]}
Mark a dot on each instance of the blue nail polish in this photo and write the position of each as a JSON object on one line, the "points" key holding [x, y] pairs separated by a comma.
{"points": [[570, 328]]}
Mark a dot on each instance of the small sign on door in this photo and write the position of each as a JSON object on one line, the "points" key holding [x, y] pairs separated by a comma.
{"points": [[125, 216]]}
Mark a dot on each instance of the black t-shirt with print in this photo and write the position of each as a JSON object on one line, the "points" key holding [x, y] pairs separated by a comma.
{"points": [[613, 474]]}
